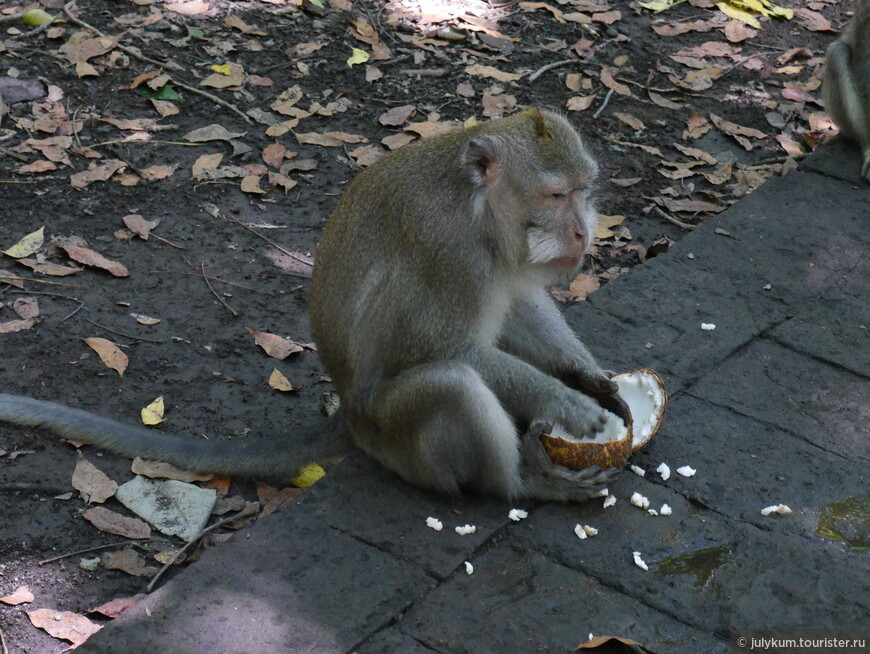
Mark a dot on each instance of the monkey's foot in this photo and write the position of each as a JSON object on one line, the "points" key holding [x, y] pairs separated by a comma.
{"points": [[544, 480]]}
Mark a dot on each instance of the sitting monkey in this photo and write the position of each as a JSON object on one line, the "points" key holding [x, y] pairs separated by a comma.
{"points": [[846, 86], [429, 310]]}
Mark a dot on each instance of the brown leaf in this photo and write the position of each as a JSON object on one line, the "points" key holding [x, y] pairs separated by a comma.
{"points": [[330, 139], [797, 94], [664, 102], [813, 20], [7, 277], [205, 165], [617, 87], [91, 482], [137, 124], [397, 115], [115, 523], [697, 153], [139, 226], [366, 155], [12, 326], [605, 223], [48, 268], [299, 264], [271, 498], [696, 126], [788, 144], [26, 307], [274, 154], [161, 470], [580, 102], [274, 345], [154, 173], [432, 128], [373, 73], [38, 166], [20, 595], [480, 70], [128, 561], [675, 29], [251, 184], [63, 624], [279, 382], [631, 121], [235, 22], [736, 31], [396, 141], [277, 179], [96, 174], [733, 129], [95, 259], [211, 133], [115, 607]]}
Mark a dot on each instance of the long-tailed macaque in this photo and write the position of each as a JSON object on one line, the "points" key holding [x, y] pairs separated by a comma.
{"points": [[429, 311], [846, 86]]}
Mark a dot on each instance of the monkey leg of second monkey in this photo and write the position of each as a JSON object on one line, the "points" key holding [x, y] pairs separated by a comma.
{"points": [[440, 426], [847, 97]]}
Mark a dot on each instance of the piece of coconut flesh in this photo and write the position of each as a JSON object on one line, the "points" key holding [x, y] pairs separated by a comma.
{"points": [[645, 399]]}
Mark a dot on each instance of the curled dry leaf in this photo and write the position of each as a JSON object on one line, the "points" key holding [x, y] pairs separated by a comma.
{"points": [[605, 224], [92, 483], [733, 129], [20, 595], [96, 174], [205, 164], [330, 139], [580, 102], [271, 498], [64, 624], [39, 166], [274, 345], [397, 115], [115, 607], [115, 523], [110, 354], [479, 70], [274, 154], [7, 277], [211, 133], [12, 326], [48, 268], [251, 184], [617, 87], [631, 121], [396, 141]]}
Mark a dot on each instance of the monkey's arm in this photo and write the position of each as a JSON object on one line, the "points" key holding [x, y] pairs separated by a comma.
{"points": [[529, 394], [536, 332], [245, 458]]}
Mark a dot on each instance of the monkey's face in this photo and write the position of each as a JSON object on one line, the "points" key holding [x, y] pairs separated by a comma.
{"points": [[560, 227]]}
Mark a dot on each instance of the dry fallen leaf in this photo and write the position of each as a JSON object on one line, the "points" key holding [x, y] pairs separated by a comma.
{"points": [[274, 154], [26, 307], [91, 258], [96, 174], [153, 413], [110, 354], [161, 470], [48, 268], [128, 561], [329, 139], [204, 164], [274, 345], [91, 482], [479, 70], [605, 223], [279, 382], [115, 523], [211, 133], [64, 624], [397, 115], [27, 245], [115, 607], [20, 595], [271, 498], [139, 226]]}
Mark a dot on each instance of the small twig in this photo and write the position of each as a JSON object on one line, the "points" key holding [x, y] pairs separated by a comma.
{"points": [[426, 72], [214, 279], [93, 549], [14, 155], [555, 64], [9, 19], [213, 292], [675, 221], [18, 487], [269, 241], [138, 55], [3, 643], [168, 242], [603, 104], [249, 510], [130, 142], [117, 333], [41, 281]]}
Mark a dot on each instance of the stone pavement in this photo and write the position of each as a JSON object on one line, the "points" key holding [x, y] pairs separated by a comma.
{"points": [[771, 407]]}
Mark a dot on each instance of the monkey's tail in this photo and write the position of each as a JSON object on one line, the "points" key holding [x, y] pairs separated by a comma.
{"points": [[261, 456]]}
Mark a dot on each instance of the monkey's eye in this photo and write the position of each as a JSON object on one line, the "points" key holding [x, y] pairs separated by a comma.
{"points": [[558, 195]]}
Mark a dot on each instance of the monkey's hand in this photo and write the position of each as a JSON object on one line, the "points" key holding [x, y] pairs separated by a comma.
{"points": [[593, 380], [545, 480]]}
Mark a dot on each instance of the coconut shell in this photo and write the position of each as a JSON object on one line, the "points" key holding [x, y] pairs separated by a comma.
{"points": [[578, 455]]}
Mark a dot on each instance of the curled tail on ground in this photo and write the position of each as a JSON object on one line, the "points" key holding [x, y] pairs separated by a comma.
{"points": [[323, 440]]}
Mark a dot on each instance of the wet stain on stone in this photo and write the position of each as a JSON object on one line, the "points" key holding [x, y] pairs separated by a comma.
{"points": [[700, 563], [847, 521]]}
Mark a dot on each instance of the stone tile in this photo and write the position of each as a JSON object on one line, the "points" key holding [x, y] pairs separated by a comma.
{"points": [[822, 404], [834, 328], [710, 572], [521, 602], [840, 159], [365, 500], [744, 465], [294, 584]]}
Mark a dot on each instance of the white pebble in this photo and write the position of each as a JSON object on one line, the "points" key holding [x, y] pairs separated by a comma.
{"points": [[603, 492], [708, 326], [517, 514], [664, 471], [686, 471], [666, 510], [467, 529], [640, 472], [435, 523], [640, 501], [581, 533], [610, 501], [639, 561], [468, 568], [781, 509], [590, 531], [652, 511]]}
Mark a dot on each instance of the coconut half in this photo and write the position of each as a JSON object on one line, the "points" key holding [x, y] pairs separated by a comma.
{"points": [[637, 410]]}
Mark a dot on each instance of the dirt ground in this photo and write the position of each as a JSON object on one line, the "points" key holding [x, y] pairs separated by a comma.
{"points": [[199, 356]]}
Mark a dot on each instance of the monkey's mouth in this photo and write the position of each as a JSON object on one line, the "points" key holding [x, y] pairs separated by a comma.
{"points": [[566, 262]]}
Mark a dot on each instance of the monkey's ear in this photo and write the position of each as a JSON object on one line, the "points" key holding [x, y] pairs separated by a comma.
{"points": [[479, 161]]}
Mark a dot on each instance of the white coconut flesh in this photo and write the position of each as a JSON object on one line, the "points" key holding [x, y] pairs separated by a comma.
{"points": [[645, 398]]}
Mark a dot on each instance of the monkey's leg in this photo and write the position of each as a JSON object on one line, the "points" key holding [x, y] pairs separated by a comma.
{"points": [[844, 100], [439, 426], [536, 332]]}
